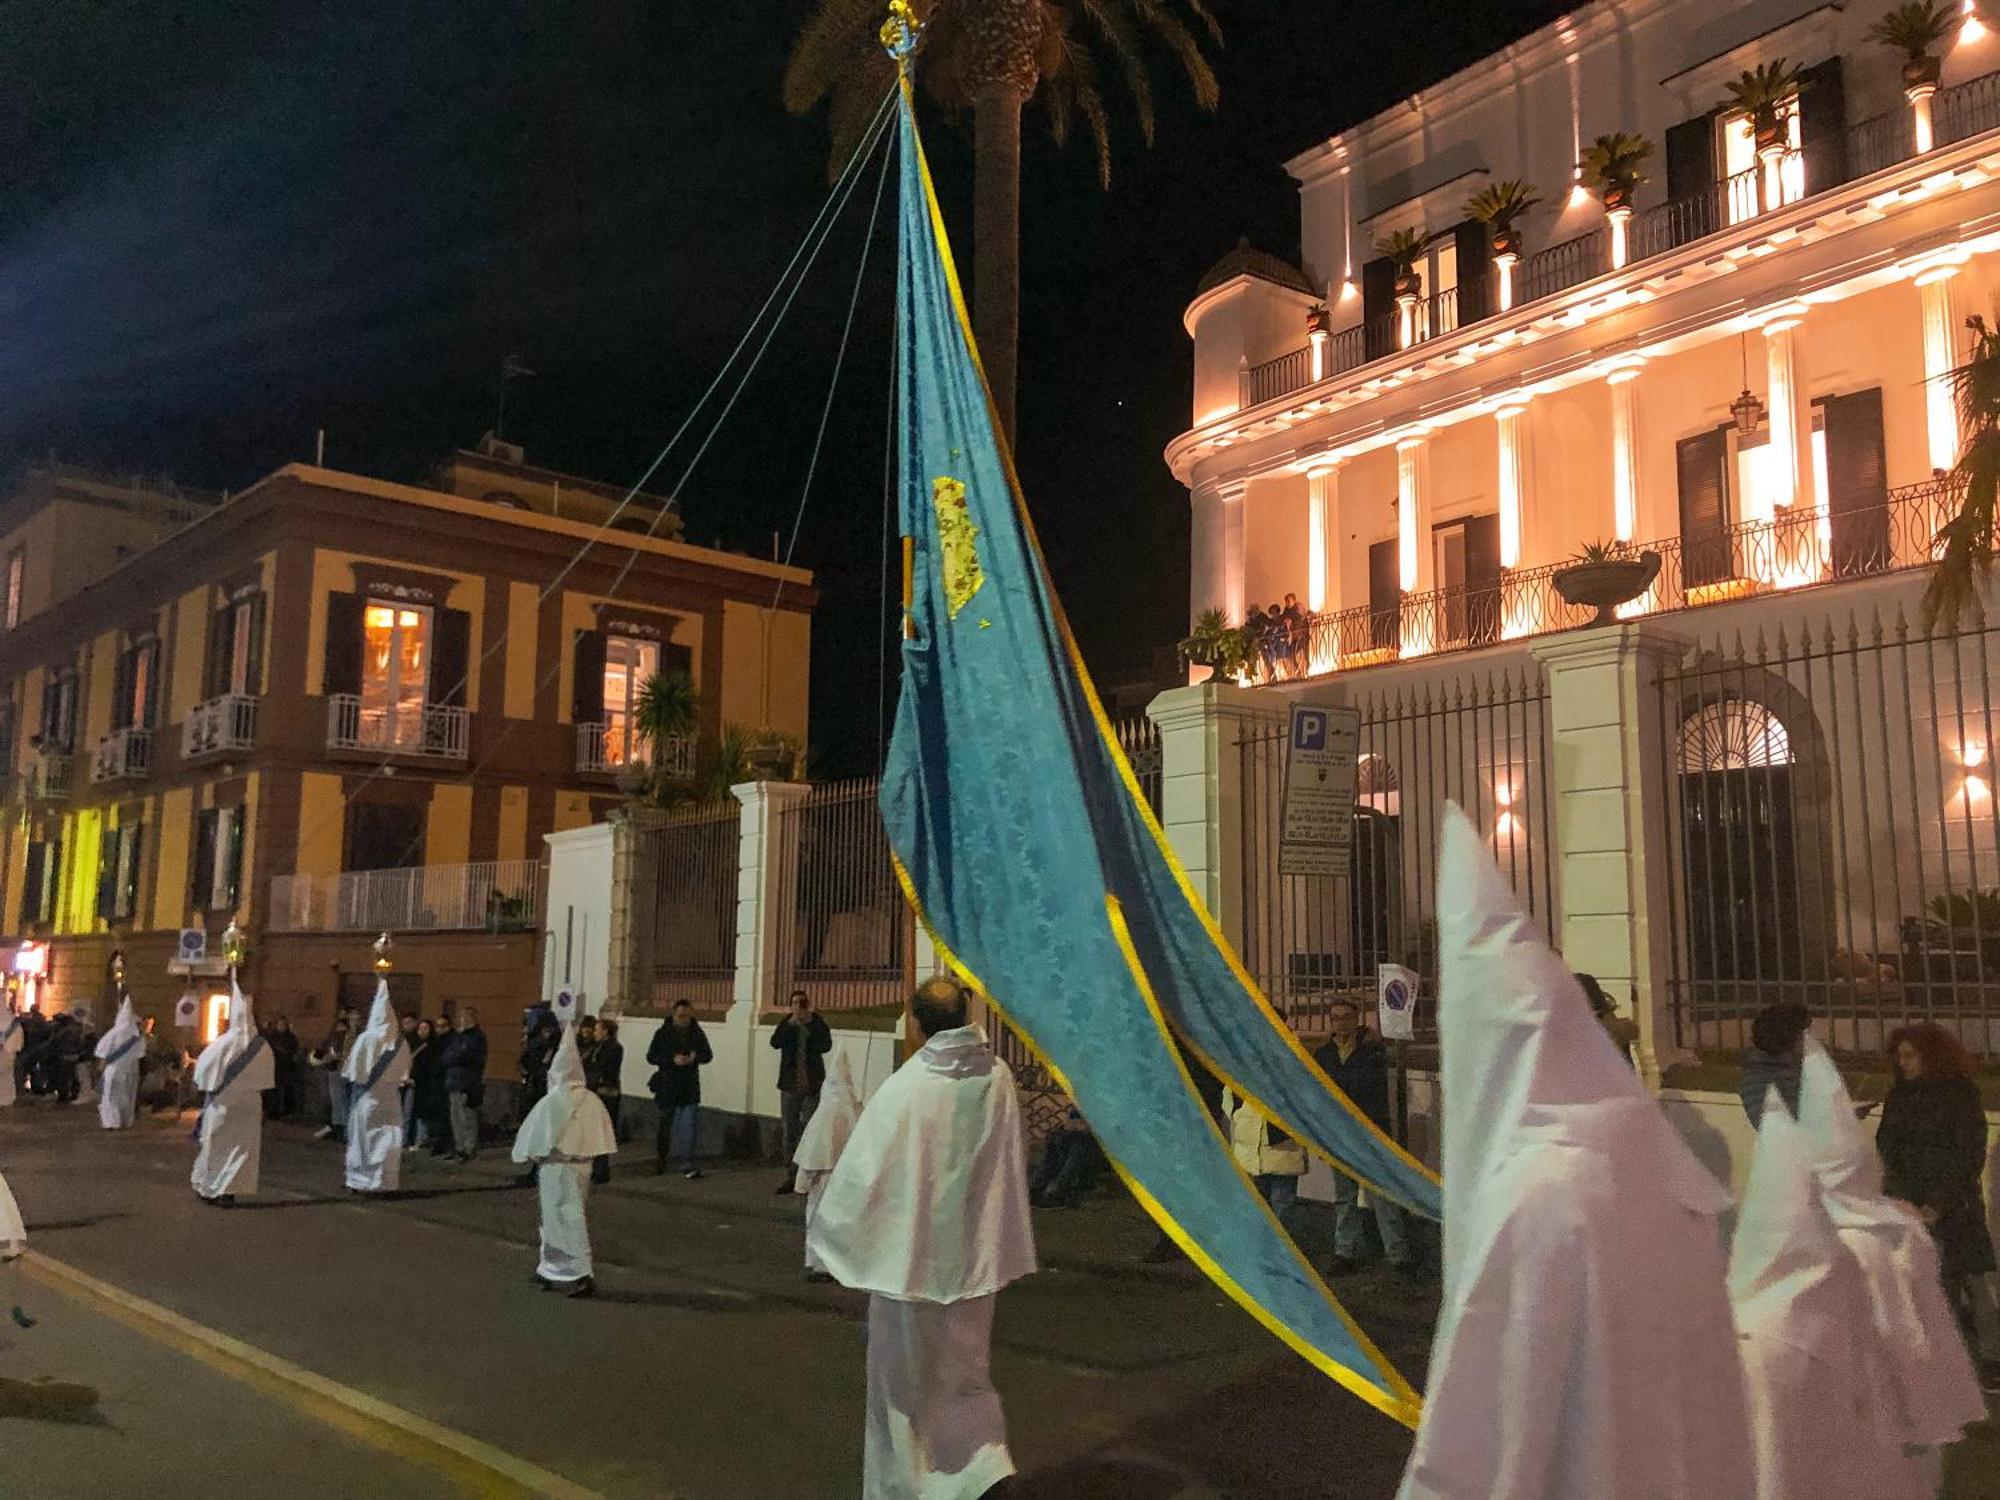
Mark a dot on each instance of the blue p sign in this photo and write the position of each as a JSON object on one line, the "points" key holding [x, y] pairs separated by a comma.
{"points": [[1308, 730]]}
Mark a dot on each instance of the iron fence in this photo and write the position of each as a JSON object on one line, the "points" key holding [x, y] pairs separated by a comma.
{"points": [[1964, 110], [1831, 832], [1560, 267], [1276, 377], [846, 936], [683, 901], [493, 895], [1140, 740], [1477, 738]]}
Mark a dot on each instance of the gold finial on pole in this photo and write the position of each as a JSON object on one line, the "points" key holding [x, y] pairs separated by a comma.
{"points": [[233, 944], [384, 953], [899, 32]]}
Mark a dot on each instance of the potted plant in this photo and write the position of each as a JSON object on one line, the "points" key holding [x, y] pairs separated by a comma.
{"points": [[1761, 93], [1913, 28], [1404, 249], [1318, 320], [1216, 644], [775, 756], [1498, 206], [1615, 166], [668, 709], [1605, 575]]}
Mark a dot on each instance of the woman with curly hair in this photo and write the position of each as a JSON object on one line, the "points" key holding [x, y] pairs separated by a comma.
{"points": [[1933, 1147]]}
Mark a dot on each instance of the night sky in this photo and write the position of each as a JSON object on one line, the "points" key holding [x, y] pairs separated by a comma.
{"points": [[225, 224]]}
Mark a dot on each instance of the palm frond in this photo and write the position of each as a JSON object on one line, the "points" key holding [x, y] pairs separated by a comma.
{"points": [[1123, 44], [825, 49], [1965, 543], [1187, 51]]}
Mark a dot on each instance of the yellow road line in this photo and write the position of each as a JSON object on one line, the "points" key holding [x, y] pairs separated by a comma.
{"points": [[475, 1467]]}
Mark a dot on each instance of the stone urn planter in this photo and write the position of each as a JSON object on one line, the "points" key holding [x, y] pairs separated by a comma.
{"points": [[632, 778], [1604, 584]]}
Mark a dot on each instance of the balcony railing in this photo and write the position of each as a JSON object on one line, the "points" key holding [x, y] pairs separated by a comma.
{"points": [[220, 726], [430, 730], [1883, 141], [597, 756], [493, 896], [122, 755], [48, 779], [1758, 557]]}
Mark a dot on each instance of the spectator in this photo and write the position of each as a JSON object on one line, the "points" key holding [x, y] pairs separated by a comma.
{"points": [[1624, 1033], [465, 1081], [68, 1046], [541, 1035], [433, 1097], [426, 1085], [1067, 1169], [1273, 1159], [1933, 1146], [416, 1034], [1274, 642], [284, 1044], [1775, 1055], [1297, 629], [603, 1057], [1358, 1063], [329, 1056], [677, 1053], [802, 1040]]}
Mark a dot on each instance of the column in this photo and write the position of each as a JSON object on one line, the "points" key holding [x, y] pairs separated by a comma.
{"points": [[1201, 786], [1216, 550], [1410, 561], [1791, 424], [1610, 771], [1923, 131], [1232, 551], [767, 869], [1933, 281], [1624, 447], [1512, 485], [1620, 220], [1322, 494]]}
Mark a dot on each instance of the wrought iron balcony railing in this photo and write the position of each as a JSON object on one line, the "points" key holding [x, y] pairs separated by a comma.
{"points": [[220, 726]]}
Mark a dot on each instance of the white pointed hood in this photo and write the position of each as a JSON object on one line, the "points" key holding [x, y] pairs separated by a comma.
{"points": [[568, 1120], [1931, 1388], [826, 1133], [1786, 1251], [381, 1037], [220, 1057], [124, 1029]]}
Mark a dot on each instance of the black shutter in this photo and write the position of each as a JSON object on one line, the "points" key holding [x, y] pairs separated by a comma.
{"points": [[1691, 179], [1473, 244], [47, 727], [1378, 307], [343, 643], [6, 736], [586, 697], [676, 659], [202, 879], [1385, 595], [253, 675], [1482, 579], [451, 657], [149, 710], [121, 690], [31, 883], [107, 875], [134, 858], [1857, 480], [1702, 466], [215, 666], [232, 867], [1823, 125], [51, 880], [66, 712]]}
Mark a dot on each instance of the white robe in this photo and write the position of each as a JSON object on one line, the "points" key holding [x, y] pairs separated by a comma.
{"points": [[565, 1188], [11, 1035], [13, 1233], [232, 1072], [567, 1128], [375, 1113], [822, 1141], [927, 1211], [121, 1050]]}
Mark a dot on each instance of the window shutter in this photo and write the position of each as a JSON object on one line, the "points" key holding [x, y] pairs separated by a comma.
{"points": [[1385, 595], [121, 691], [676, 659], [1378, 307], [31, 883], [107, 875], [1857, 475], [201, 880], [65, 735], [1701, 463], [587, 691], [6, 736], [134, 861], [1482, 579], [344, 644], [451, 657], [215, 667], [1823, 124], [1473, 244], [47, 727], [232, 866], [1691, 178], [254, 674], [51, 880], [149, 710]]}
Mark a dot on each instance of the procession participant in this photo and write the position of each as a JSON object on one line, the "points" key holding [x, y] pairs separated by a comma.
{"points": [[567, 1129], [232, 1073], [1930, 1392], [121, 1050], [927, 1212], [820, 1144], [1581, 1244], [1801, 1305], [375, 1070], [13, 1243], [13, 1036]]}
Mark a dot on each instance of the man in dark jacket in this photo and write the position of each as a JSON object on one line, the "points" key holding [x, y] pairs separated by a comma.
{"points": [[677, 1054], [603, 1070], [802, 1040], [1359, 1064], [1776, 1053], [541, 1034], [465, 1081]]}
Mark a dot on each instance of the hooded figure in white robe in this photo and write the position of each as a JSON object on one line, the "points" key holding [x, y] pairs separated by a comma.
{"points": [[232, 1073], [1584, 1348], [1929, 1392], [822, 1141], [927, 1211], [12, 1036], [1810, 1366], [120, 1050], [13, 1242], [568, 1126], [375, 1070]]}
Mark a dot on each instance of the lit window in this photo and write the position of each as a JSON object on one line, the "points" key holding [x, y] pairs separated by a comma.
{"points": [[395, 670], [1743, 178], [628, 664]]}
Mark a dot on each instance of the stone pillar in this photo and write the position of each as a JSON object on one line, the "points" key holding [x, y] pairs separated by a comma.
{"points": [[1791, 422], [1610, 795], [767, 868], [1412, 558], [1923, 130], [1625, 448], [1512, 479], [1201, 786], [1933, 281], [1620, 220], [1215, 578], [1322, 495]]}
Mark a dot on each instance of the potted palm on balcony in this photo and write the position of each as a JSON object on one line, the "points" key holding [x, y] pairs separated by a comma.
{"points": [[668, 709], [1615, 165], [1403, 250], [1216, 644], [1499, 206], [1605, 575], [1913, 29], [1762, 93]]}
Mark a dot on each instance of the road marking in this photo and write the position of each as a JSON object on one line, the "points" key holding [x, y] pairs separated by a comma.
{"points": [[477, 1467]]}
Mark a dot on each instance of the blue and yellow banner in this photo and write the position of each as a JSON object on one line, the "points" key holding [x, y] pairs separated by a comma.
{"points": [[1038, 867]]}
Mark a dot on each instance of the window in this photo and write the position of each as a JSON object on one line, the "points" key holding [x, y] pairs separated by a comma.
{"points": [[218, 859], [384, 836], [1438, 312], [17, 567], [136, 686], [235, 647], [395, 672], [1385, 596], [628, 663], [58, 727], [1467, 557], [1748, 193], [39, 882], [118, 873]]}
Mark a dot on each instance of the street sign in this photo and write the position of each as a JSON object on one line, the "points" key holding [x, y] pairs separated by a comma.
{"points": [[185, 1011], [1396, 1002], [565, 1005], [193, 945], [1316, 831]]}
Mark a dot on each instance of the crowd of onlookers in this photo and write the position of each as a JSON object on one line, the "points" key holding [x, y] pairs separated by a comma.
{"points": [[1279, 637]]}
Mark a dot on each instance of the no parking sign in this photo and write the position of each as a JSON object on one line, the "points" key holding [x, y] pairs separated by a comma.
{"points": [[565, 1005], [1396, 1002]]}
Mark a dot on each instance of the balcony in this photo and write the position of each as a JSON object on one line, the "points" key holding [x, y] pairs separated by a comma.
{"points": [[1874, 145], [1735, 562], [492, 896], [47, 779], [598, 753], [122, 755], [221, 726], [428, 731]]}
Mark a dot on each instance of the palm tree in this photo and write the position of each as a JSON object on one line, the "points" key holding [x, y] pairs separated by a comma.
{"points": [[1965, 558], [992, 57]]}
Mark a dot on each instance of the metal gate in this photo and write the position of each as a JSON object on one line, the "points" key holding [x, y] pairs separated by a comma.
{"points": [[847, 936], [684, 901]]}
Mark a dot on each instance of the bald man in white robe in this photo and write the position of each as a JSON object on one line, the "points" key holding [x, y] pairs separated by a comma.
{"points": [[232, 1073], [927, 1212], [568, 1128], [375, 1070], [120, 1050]]}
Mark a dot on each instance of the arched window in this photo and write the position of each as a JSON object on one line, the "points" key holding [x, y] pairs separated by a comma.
{"points": [[1376, 784], [1733, 734]]}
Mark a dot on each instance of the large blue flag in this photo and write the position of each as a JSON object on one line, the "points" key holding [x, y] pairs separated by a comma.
{"points": [[1039, 868]]}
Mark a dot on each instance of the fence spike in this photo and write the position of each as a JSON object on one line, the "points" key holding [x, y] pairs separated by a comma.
{"points": [[1902, 626], [1875, 632]]}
